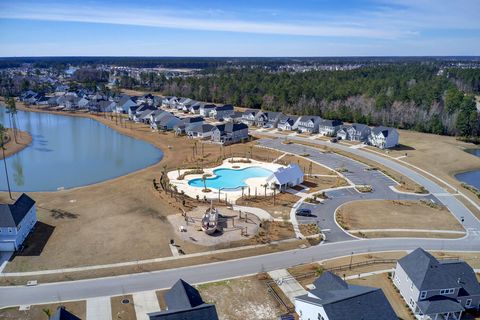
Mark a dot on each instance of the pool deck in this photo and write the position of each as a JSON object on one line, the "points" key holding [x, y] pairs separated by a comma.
{"points": [[232, 195]]}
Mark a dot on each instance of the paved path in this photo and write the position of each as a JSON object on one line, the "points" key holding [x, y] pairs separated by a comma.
{"points": [[99, 308], [288, 284], [145, 302], [260, 213]]}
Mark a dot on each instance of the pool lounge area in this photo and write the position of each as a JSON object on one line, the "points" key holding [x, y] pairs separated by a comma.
{"points": [[227, 180]]}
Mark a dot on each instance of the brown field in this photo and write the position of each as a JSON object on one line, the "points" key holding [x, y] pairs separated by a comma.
{"points": [[81, 226], [308, 166], [11, 147], [123, 311], [393, 214], [281, 208], [442, 156], [78, 308], [236, 298]]}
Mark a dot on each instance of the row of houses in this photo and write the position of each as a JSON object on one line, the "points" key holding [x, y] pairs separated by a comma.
{"points": [[432, 289]]}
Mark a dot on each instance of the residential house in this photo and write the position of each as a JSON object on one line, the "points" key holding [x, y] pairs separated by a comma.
{"points": [[230, 133], [184, 104], [63, 314], [202, 131], [16, 222], [436, 289], [329, 128], [383, 137], [195, 108], [354, 132], [288, 123], [142, 113], [156, 115], [248, 117], [144, 116], [166, 123], [221, 112], [335, 299], [286, 177], [123, 104], [236, 116], [308, 124], [185, 302], [267, 119], [205, 109], [186, 124], [169, 102]]}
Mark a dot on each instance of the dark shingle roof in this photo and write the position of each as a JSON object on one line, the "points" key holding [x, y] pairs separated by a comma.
{"points": [[342, 301], [427, 273], [182, 296], [202, 312], [439, 304], [12, 214], [63, 314]]}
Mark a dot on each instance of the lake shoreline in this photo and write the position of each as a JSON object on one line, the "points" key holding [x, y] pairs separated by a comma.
{"points": [[24, 139]]}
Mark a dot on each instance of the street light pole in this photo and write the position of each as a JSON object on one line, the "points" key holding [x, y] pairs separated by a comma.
{"points": [[351, 258]]}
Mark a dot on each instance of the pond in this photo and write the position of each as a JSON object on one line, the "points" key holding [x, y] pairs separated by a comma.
{"points": [[471, 177], [68, 152]]}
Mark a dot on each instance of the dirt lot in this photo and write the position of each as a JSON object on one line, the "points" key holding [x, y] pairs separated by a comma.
{"points": [[12, 146], [237, 298], [123, 311], [281, 208], [388, 214], [440, 155], [78, 308], [382, 281], [94, 224]]}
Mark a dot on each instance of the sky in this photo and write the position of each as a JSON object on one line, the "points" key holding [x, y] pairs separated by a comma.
{"points": [[239, 28]]}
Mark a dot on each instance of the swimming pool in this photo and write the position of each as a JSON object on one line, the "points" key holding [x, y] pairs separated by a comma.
{"points": [[230, 178]]}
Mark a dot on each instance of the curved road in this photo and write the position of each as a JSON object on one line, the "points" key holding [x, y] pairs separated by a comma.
{"points": [[79, 290]]}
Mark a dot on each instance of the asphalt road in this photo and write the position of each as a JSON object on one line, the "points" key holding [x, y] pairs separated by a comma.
{"points": [[79, 290]]}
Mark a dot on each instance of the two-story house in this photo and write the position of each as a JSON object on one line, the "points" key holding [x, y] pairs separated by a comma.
{"points": [[329, 127], [267, 119], [248, 117], [436, 289], [288, 123], [230, 133], [354, 132], [383, 137], [335, 299], [221, 112], [16, 222], [308, 124]]}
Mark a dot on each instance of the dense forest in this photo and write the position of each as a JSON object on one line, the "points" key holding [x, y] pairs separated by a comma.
{"points": [[410, 96]]}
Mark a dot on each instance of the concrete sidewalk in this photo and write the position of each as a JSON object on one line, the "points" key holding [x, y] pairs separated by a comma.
{"points": [[290, 287], [145, 302], [99, 308]]}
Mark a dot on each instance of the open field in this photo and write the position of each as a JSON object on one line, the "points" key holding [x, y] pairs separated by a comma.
{"points": [[393, 214], [308, 166], [237, 298], [11, 146], [442, 156], [37, 312], [383, 282], [281, 208], [81, 226]]}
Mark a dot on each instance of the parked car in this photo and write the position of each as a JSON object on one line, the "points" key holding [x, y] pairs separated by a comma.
{"points": [[304, 213], [334, 140]]}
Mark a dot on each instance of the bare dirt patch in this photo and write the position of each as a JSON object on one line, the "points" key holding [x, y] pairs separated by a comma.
{"points": [[393, 214], [123, 310], [234, 299], [78, 308]]}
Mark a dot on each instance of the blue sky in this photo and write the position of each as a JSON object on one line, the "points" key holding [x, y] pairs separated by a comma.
{"points": [[239, 28]]}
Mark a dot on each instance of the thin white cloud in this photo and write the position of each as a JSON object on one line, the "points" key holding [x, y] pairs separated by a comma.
{"points": [[190, 21]]}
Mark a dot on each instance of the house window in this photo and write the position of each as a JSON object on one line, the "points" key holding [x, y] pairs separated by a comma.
{"points": [[423, 294], [9, 229], [468, 303], [320, 317]]}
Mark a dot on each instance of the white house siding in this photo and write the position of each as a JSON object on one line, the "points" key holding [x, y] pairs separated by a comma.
{"points": [[308, 311], [12, 238], [404, 284]]}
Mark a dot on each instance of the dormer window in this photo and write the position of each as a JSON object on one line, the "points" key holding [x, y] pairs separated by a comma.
{"points": [[423, 294]]}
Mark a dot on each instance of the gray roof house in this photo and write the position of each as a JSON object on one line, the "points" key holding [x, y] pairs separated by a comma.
{"points": [[308, 124], [195, 108], [288, 123], [268, 119], [249, 116], [205, 109], [166, 123], [236, 116], [183, 303], [187, 123], [230, 133], [123, 104], [354, 132], [436, 289], [16, 222], [221, 112], [329, 127], [335, 299], [383, 137], [200, 131]]}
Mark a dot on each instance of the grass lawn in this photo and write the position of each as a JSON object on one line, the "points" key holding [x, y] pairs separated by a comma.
{"points": [[394, 214], [36, 312], [237, 298]]}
